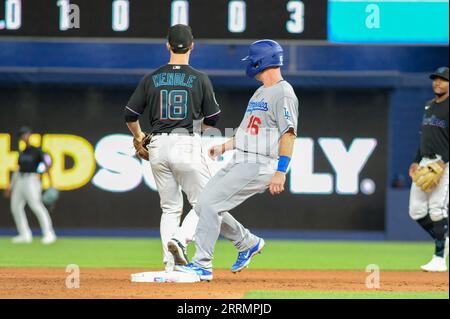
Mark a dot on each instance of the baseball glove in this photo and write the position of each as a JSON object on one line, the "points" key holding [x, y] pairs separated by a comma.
{"points": [[141, 146], [428, 177], [50, 196]]}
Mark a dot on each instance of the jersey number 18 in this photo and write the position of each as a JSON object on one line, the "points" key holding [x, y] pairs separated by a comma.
{"points": [[174, 105]]}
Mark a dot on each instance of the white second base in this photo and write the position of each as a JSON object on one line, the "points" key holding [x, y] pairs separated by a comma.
{"points": [[163, 276]]}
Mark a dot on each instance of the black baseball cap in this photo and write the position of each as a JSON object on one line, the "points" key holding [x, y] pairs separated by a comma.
{"points": [[442, 73], [180, 38], [24, 130]]}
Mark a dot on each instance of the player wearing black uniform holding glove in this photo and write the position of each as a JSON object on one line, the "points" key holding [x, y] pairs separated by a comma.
{"points": [[429, 171], [25, 189]]}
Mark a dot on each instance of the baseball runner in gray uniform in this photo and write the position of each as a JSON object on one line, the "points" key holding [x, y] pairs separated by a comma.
{"points": [[178, 98], [264, 144]]}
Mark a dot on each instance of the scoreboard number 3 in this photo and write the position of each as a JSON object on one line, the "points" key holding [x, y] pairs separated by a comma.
{"points": [[297, 22]]}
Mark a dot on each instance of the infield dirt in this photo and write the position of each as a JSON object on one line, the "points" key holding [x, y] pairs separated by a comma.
{"points": [[115, 283]]}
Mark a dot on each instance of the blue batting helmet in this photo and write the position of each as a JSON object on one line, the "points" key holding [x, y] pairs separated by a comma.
{"points": [[262, 55]]}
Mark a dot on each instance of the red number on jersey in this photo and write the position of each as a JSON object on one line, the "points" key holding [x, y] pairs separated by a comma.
{"points": [[253, 125]]}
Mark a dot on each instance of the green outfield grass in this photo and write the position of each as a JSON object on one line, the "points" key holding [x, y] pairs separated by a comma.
{"points": [[137, 253], [344, 295]]}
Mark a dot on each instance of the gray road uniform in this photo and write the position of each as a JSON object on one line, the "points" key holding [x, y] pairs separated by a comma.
{"points": [[26, 189], [271, 112]]}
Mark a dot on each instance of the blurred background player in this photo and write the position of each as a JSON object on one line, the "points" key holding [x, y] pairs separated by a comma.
{"points": [[430, 209], [25, 188], [177, 95], [264, 145]]}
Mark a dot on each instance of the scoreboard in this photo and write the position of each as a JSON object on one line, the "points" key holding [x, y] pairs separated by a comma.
{"points": [[339, 21], [219, 19]]}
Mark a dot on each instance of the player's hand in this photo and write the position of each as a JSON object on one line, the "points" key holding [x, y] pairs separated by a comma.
{"points": [[412, 169], [140, 137], [216, 151], [7, 193], [276, 185]]}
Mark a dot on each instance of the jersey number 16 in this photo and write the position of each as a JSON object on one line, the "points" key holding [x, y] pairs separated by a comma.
{"points": [[174, 105], [253, 125]]}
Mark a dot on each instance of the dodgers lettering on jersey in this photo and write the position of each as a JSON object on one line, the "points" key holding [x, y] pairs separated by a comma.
{"points": [[271, 112]]}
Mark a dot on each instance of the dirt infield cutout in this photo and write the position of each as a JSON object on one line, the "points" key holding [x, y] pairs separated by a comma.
{"points": [[115, 283]]}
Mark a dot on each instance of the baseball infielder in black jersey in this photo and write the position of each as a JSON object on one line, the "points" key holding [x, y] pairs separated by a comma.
{"points": [[182, 104], [26, 188], [430, 207]]}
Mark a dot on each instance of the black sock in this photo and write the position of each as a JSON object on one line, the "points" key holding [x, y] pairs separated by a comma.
{"points": [[428, 225], [440, 230], [440, 248], [437, 230]]}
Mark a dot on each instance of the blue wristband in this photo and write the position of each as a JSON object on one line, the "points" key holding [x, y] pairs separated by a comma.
{"points": [[283, 164]]}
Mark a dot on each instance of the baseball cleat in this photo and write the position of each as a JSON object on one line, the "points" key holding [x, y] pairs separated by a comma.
{"points": [[203, 274], [49, 239], [178, 250], [437, 264], [22, 240], [169, 266], [245, 257]]}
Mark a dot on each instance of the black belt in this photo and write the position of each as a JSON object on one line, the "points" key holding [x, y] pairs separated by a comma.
{"points": [[174, 133]]}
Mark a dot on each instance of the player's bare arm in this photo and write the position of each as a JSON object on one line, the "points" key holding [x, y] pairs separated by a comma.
{"points": [[7, 191], [135, 129], [276, 185], [218, 150]]}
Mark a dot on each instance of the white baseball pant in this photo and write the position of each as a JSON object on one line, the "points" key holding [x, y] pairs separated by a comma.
{"points": [[26, 189], [178, 164], [434, 203]]}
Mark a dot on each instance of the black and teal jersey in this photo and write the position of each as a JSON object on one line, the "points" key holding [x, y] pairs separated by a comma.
{"points": [[434, 131], [29, 159], [176, 96]]}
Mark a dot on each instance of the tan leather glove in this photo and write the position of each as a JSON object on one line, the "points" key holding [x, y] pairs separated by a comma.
{"points": [[428, 177], [141, 146]]}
